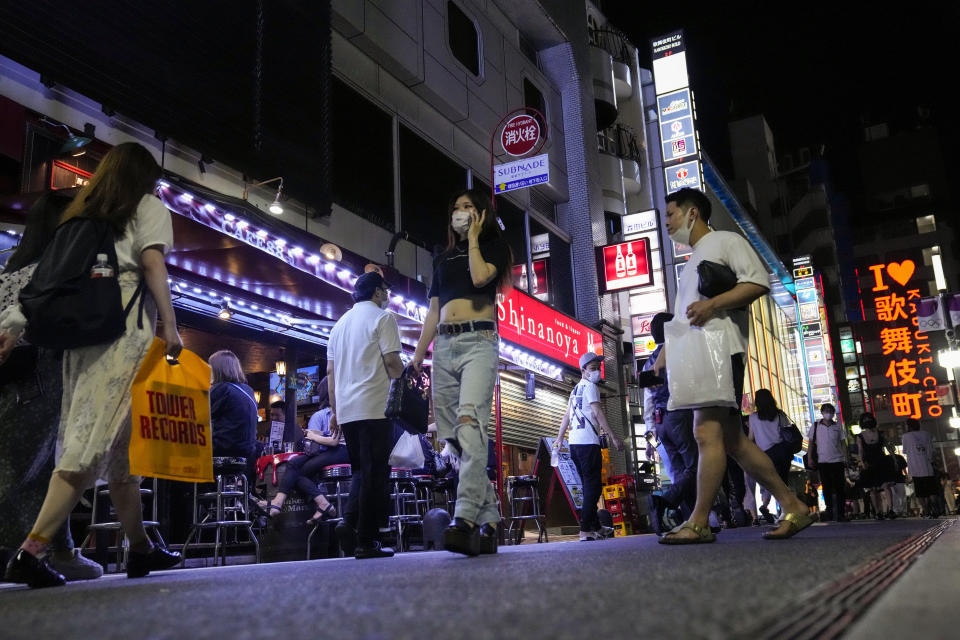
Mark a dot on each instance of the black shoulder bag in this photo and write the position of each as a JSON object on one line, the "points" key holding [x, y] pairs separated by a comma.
{"points": [[714, 278], [408, 401], [790, 434]]}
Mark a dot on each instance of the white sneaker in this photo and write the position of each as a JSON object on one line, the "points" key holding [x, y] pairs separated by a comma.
{"points": [[77, 567], [586, 536]]}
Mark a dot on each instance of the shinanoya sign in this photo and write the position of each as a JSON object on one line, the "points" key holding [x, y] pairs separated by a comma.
{"points": [[906, 352], [529, 323]]}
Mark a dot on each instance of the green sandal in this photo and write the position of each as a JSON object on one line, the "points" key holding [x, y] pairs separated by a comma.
{"points": [[704, 535], [796, 522]]}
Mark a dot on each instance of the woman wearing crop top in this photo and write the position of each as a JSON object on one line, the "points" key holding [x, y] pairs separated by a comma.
{"points": [[462, 318]]}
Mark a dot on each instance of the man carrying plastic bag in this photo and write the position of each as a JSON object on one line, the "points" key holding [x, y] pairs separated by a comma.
{"points": [[704, 360]]}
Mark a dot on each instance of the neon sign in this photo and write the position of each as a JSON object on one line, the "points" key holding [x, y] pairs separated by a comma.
{"points": [[906, 351]]}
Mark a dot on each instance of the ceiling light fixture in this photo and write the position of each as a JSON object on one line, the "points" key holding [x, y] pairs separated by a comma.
{"points": [[225, 311], [275, 207], [74, 144]]}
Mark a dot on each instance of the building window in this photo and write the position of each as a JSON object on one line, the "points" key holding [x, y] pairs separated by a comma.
{"points": [[464, 38], [926, 224], [533, 98], [425, 195], [367, 193]]}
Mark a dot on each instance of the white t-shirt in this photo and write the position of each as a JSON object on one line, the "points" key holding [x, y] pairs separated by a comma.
{"points": [[918, 448], [358, 342], [732, 250], [830, 444], [766, 433], [582, 398], [151, 226]]}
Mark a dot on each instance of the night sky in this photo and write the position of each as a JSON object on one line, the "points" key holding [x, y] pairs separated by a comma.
{"points": [[813, 70]]}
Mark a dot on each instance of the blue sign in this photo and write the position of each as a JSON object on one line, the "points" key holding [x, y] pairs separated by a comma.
{"points": [[686, 174], [678, 138], [522, 173], [677, 104], [806, 295], [805, 283]]}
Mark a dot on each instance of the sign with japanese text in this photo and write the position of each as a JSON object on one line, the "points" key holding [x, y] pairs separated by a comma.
{"points": [[678, 138], [521, 173], [625, 265], [639, 222], [672, 106], [908, 361], [680, 176], [520, 135], [528, 323], [643, 342]]}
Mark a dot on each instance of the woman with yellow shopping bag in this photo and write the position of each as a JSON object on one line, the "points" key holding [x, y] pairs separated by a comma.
{"points": [[95, 415]]}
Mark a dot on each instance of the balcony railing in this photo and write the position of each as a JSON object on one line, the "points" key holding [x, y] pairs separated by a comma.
{"points": [[612, 41], [621, 141]]}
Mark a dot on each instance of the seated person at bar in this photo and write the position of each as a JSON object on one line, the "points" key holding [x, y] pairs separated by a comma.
{"points": [[233, 412], [325, 447]]}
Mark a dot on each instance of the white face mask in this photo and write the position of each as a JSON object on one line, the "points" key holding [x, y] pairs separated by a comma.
{"points": [[592, 376], [682, 235], [460, 221], [827, 416]]}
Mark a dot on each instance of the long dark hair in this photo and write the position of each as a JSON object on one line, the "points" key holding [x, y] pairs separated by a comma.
{"points": [[767, 408], [489, 233], [42, 221], [125, 175]]}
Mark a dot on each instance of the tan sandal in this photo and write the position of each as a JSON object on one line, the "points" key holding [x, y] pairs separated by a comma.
{"points": [[704, 535], [796, 522]]}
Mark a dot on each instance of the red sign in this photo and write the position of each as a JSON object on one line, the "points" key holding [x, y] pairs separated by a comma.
{"points": [[626, 265], [520, 135], [908, 362], [533, 325], [535, 283]]}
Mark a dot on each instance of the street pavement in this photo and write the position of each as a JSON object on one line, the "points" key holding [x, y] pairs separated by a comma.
{"points": [[620, 588]]}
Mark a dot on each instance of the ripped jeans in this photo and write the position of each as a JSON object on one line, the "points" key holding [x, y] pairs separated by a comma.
{"points": [[464, 376]]}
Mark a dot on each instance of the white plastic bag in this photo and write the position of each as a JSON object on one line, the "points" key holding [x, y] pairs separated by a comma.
{"points": [[407, 453], [699, 370]]}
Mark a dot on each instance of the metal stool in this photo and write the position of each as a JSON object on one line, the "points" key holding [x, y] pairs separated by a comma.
{"points": [[225, 507], [424, 491], [121, 546], [403, 496], [522, 490], [443, 488], [337, 475]]}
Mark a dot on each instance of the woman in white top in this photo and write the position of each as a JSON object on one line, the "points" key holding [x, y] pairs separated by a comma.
{"points": [[765, 431], [95, 414]]}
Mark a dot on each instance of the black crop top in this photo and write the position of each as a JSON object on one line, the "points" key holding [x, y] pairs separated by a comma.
{"points": [[451, 273]]}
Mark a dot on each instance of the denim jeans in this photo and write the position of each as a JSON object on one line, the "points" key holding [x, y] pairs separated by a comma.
{"points": [[302, 471], [369, 445], [676, 435], [464, 375], [589, 462]]}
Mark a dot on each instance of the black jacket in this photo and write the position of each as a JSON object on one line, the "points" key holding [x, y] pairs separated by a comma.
{"points": [[233, 419]]}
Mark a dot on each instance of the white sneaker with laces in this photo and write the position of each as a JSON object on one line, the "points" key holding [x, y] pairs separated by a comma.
{"points": [[77, 567], [586, 536]]}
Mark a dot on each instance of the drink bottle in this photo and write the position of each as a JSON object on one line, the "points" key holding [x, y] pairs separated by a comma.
{"points": [[102, 268]]}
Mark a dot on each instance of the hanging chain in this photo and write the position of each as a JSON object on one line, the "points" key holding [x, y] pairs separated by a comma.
{"points": [[258, 83]]}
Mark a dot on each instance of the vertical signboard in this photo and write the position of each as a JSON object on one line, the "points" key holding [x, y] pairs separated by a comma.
{"points": [[814, 336]]}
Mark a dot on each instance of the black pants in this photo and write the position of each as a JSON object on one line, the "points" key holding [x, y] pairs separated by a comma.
{"points": [[781, 456], [832, 477], [369, 446], [302, 471], [675, 432], [586, 457]]}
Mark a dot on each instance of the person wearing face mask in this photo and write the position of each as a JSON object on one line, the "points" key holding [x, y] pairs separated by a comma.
{"points": [[832, 459], [877, 467], [718, 429], [461, 323], [585, 415], [363, 354]]}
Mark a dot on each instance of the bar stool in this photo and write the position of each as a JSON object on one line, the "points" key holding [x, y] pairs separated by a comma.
{"points": [[443, 489], [424, 491], [223, 509], [337, 476], [121, 544], [404, 496], [522, 491]]}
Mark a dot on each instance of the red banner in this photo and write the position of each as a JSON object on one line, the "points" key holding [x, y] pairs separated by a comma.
{"points": [[530, 324]]}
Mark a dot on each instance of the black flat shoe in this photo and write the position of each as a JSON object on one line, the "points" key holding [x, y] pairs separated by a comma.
{"points": [[141, 564], [488, 539], [462, 537], [366, 552], [26, 568]]}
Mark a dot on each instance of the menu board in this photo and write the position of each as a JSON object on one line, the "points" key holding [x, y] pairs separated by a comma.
{"points": [[566, 472]]}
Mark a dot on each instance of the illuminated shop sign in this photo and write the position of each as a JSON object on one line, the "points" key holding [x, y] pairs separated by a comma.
{"points": [[625, 265], [530, 324], [678, 138], [536, 282], [639, 222], [643, 342], [907, 355], [682, 176]]}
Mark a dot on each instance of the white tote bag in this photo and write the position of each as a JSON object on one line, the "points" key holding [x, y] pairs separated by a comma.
{"points": [[699, 371], [407, 453]]}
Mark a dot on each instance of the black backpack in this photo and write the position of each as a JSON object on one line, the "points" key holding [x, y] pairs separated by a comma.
{"points": [[65, 307]]}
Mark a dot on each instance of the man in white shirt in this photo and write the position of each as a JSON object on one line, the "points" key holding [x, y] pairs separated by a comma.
{"points": [[362, 355], [832, 459], [918, 448], [717, 429]]}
